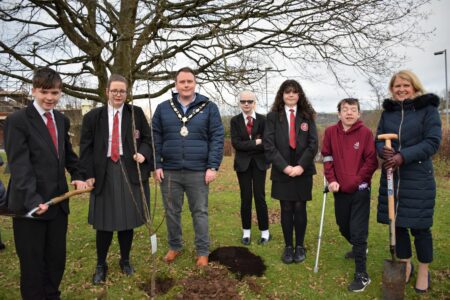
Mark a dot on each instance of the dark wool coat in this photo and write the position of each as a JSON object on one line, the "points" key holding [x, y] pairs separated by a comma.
{"points": [[418, 125]]}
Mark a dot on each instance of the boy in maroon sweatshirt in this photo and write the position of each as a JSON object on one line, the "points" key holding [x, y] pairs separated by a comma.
{"points": [[350, 160]]}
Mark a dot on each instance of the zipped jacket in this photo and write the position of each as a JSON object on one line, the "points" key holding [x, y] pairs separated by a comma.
{"points": [[418, 125], [200, 149]]}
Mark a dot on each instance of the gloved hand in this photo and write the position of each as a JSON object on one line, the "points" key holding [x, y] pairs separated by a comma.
{"points": [[394, 162], [388, 153]]}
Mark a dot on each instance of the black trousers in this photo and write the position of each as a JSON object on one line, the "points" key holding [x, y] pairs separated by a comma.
{"points": [[252, 182], [422, 240], [352, 213], [41, 247]]}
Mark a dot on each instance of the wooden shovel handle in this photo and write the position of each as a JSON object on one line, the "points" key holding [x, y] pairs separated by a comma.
{"points": [[390, 191], [58, 199], [67, 195], [388, 136]]}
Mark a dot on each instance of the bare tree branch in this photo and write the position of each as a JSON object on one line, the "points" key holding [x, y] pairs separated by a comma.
{"points": [[228, 42]]}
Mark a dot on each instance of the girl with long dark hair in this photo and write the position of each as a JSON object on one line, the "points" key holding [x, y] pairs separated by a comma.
{"points": [[291, 143]]}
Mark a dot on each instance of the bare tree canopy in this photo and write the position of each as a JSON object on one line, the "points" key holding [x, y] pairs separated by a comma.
{"points": [[228, 42]]}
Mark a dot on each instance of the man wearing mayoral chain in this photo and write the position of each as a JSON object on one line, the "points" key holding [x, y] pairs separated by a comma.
{"points": [[188, 135]]}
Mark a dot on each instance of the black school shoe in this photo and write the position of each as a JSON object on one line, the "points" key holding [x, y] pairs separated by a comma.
{"points": [[264, 241], [100, 274], [126, 267], [245, 241], [288, 255], [360, 282], [2, 246], [300, 254]]}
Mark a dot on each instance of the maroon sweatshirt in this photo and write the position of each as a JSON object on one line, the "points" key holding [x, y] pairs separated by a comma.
{"points": [[349, 156]]}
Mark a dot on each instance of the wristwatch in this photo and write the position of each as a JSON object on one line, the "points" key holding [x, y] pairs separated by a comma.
{"points": [[213, 169]]}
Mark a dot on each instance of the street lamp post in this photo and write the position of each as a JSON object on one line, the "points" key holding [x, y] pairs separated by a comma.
{"points": [[270, 69], [446, 86]]}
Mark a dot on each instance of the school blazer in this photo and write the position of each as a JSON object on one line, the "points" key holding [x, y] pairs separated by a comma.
{"points": [[246, 148], [37, 170], [276, 144], [94, 144]]}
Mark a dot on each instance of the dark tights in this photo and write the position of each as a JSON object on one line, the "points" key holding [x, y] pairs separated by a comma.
{"points": [[103, 241], [293, 215]]}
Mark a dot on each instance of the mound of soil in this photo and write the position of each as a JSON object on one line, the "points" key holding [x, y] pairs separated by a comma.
{"points": [[239, 260], [212, 283]]}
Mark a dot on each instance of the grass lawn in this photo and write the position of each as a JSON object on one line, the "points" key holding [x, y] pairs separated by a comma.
{"points": [[296, 281]]}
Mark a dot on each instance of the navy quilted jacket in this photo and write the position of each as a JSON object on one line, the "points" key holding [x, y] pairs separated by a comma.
{"points": [[201, 149], [418, 124]]}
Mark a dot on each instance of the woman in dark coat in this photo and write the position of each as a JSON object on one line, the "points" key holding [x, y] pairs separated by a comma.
{"points": [[290, 144], [414, 116]]}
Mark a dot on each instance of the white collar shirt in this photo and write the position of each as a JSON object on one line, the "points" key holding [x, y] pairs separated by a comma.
{"points": [[111, 113]]}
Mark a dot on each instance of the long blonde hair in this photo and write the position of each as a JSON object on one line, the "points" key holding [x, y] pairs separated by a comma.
{"points": [[410, 77]]}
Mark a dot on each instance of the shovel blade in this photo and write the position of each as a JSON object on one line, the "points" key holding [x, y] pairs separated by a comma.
{"points": [[393, 282]]}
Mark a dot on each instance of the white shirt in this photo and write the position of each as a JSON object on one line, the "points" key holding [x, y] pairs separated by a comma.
{"points": [[111, 112], [288, 114], [41, 112]]}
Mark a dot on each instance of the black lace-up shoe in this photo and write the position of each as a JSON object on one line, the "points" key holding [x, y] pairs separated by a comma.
{"points": [[100, 274], [288, 255], [126, 267], [300, 254]]}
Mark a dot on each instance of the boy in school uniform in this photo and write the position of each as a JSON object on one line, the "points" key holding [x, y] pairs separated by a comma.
{"points": [[39, 152], [350, 160]]}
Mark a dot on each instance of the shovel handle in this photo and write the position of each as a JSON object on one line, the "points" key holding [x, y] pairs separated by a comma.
{"points": [[59, 199], [388, 137], [390, 191], [391, 209]]}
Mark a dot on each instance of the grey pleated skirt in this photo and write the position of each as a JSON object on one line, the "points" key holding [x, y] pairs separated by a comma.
{"points": [[115, 208]]}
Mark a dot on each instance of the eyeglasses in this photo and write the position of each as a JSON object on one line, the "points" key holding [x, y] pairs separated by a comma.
{"points": [[246, 101], [118, 92]]}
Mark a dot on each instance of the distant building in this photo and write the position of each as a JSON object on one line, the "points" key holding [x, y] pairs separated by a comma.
{"points": [[11, 101]]}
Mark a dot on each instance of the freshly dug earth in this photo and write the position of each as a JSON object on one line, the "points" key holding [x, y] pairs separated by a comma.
{"points": [[239, 260], [213, 282], [162, 285]]}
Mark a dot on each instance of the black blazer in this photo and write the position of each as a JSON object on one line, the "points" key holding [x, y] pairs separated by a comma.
{"points": [[37, 171], [246, 148], [276, 144], [94, 144]]}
